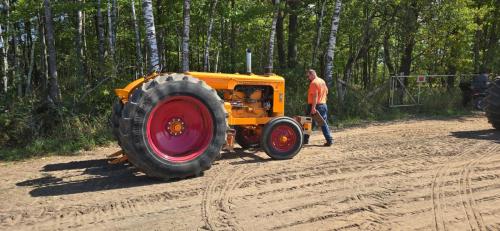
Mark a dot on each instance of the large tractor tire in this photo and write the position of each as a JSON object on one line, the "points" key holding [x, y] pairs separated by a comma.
{"points": [[282, 138], [173, 127], [247, 138], [114, 120], [493, 103]]}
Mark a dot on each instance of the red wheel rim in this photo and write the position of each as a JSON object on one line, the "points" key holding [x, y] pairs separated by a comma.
{"points": [[180, 144], [250, 136], [283, 138]]}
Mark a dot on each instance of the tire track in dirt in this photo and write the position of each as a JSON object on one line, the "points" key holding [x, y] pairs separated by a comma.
{"points": [[474, 218], [216, 202], [76, 214], [438, 184]]}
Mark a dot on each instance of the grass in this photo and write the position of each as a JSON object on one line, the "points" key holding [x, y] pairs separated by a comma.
{"points": [[73, 135]]}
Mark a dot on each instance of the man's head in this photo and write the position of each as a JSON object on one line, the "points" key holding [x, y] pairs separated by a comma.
{"points": [[311, 74]]}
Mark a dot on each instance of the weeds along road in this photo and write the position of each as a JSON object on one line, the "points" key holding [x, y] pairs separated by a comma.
{"points": [[411, 175]]}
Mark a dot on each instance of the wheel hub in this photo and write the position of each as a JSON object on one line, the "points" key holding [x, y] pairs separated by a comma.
{"points": [[175, 127], [283, 139]]}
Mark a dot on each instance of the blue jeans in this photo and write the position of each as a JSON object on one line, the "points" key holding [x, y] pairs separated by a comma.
{"points": [[322, 109]]}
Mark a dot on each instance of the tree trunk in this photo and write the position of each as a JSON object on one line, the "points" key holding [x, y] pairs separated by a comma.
{"points": [[43, 52], [161, 34], [293, 33], [138, 52], [16, 71], [270, 55], [31, 61], [5, 48], [100, 36], [154, 61], [209, 37], [319, 32], [111, 34], [410, 28], [387, 54], [54, 92], [280, 36], [331, 45], [232, 42], [79, 43], [185, 35]]}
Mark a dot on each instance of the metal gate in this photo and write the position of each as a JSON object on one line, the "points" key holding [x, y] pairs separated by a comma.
{"points": [[406, 90]]}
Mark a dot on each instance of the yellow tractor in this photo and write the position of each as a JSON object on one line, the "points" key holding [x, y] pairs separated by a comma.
{"points": [[175, 125]]}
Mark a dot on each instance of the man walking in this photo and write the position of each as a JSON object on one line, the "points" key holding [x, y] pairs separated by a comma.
{"points": [[316, 100]]}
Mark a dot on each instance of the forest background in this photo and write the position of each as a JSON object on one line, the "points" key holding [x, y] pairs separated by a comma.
{"points": [[61, 60]]}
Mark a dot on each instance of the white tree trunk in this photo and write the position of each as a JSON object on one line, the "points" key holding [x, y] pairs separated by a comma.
{"points": [[332, 43], [79, 42], [270, 57], [112, 34], [100, 35], [5, 70], [185, 35], [111, 27], [206, 55], [147, 7], [138, 51], [43, 52]]}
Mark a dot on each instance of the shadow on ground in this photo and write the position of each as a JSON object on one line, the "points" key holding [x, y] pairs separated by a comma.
{"points": [[97, 175], [88, 176], [245, 156], [490, 134]]}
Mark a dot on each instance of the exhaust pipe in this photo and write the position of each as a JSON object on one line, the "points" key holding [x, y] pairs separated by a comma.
{"points": [[249, 61]]}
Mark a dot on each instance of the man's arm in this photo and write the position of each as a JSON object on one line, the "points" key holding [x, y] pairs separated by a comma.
{"points": [[315, 100]]}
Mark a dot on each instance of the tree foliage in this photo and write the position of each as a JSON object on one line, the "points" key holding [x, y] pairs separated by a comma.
{"points": [[375, 39]]}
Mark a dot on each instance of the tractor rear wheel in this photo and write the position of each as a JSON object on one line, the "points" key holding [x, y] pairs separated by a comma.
{"points": [[247, 138], [493, 103], [173, 127], [282, 138], [114, 120]]}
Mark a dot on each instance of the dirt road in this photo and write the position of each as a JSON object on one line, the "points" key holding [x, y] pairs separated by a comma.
{"points": [[411, 175]]}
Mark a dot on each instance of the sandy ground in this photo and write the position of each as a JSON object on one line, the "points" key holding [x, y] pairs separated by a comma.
{"points": [[411, 175]]}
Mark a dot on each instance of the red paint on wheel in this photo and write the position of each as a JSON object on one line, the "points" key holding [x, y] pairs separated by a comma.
{"points": [[196, 136], [283, 138]]}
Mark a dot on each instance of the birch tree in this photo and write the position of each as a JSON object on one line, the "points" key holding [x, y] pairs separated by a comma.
{"points": [[79, 41], [270, 55], [332, 43], [138, 51], [206, 64], [112, 33], [5, 49], [54, 93], [100, 36], [185, 35], [154, 60]]}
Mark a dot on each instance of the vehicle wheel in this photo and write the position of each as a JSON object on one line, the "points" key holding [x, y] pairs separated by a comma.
{"points": [[282, 138], [173, 127], [114, 119], [492, 107], [247, 138]]}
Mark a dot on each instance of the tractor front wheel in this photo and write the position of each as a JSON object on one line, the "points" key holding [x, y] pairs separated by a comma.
{"points": [[282, 138]]}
